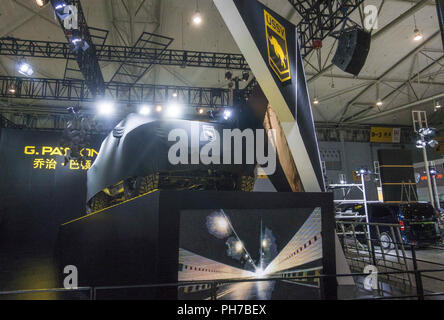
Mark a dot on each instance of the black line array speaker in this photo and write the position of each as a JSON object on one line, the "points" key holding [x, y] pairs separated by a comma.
{"points": [[352, 51]]}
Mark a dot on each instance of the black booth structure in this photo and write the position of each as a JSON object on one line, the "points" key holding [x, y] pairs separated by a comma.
{"points": [[166, 237]]}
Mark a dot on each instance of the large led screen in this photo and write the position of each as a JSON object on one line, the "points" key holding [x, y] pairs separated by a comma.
{"points": [[242, 248]]}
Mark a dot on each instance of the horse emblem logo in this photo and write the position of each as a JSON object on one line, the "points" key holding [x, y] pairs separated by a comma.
{"points": [[277, 47]]}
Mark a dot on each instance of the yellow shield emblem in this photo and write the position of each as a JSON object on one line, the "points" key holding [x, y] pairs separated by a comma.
{"points": [[277, 47]]}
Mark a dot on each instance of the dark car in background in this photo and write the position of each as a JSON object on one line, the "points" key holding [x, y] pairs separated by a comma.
{"points": [[418, 223]]}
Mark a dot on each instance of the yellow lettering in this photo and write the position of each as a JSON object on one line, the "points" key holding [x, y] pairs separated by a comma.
{"points": [[46, 150], [29, 150], [57, 151]]}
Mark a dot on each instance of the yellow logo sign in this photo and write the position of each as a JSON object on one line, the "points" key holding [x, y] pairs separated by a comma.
{"points": [[277, 47]]}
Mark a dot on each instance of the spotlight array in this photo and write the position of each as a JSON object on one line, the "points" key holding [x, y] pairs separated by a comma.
{"points": [[426, 138]]}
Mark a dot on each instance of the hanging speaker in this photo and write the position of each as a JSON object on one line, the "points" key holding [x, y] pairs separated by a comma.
{"points": [[352, 51]]}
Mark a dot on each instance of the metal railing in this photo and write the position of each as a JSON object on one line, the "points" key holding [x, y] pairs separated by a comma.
{"points": [[93, 293]]}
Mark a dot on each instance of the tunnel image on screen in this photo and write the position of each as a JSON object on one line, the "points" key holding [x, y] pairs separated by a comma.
{"points": [[241, 244]]}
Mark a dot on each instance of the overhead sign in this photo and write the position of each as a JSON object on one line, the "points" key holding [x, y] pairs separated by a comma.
{"points": [[385, 135], [277, 47], [269, 44]]}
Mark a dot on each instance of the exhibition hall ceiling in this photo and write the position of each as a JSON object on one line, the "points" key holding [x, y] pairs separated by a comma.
{"points": [[398, 70]]}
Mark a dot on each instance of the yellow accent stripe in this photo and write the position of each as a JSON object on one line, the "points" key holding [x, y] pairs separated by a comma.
{"points": [[114, 205], [398, 183], [397, 166], [262, 176]]}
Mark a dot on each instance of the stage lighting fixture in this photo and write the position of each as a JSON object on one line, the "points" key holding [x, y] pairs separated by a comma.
{"points": [[433, 172], [25, 69], [432, 143], [59, 5], [227, 114], [245, 76], [363, 171], [427, 132], [315, 101], [379, 103], [417, 35], [12, 89], [144, 110], [437, 106], [41, 3], [175, 94], [228, 75], [264, 243], [420, 143], [105, 107], [173, 111], [76, 37], [201, 110], [159, 108]]}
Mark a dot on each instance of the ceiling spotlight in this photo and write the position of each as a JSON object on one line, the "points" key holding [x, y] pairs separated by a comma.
{"points": [[197, 18], [41, 3], [25, 69], [417, 35], [105, 107], [11, 89], [245, 76], [227, 114], [228, 75], [437, 106], [315, 101], [173, 111], [144, 110], [379, 102], [158, 108], [175, 94], [201, 110]]}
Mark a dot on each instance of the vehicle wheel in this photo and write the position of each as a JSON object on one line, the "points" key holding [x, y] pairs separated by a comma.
{"points": [[386, 242], [98, 202], [148, 183], [246, 183]]}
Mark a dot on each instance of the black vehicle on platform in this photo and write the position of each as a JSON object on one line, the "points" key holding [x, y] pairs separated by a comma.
{"points": [[418, 223], [133, 160]]}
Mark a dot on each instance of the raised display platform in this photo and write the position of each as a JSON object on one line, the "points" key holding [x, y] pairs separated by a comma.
{"points": [[187, 236]]}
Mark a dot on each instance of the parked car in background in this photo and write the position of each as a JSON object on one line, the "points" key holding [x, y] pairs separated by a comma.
{"points": [[418, 223]]}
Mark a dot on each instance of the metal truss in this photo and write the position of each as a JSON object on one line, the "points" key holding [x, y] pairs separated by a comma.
{"points": [[121, 54], [86, 60], [129, 72], [78, 91], [320, 18]]}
